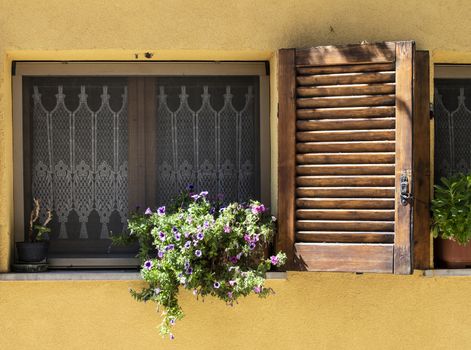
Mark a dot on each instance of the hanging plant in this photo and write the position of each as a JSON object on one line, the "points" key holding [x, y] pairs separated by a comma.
{"points": [[203, 247]]}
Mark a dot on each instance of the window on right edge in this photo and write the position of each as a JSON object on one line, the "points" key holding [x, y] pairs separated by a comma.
{"points": [[452, 164]]}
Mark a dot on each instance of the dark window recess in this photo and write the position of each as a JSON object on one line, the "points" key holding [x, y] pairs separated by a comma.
{"points": [[452, 127]]}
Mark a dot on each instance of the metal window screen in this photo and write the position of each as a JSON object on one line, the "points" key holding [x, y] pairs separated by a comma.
{"points": [[208, 136], [452, 127]]}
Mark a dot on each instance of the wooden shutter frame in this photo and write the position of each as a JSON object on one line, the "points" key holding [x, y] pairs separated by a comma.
{"points": [[402, 53]]}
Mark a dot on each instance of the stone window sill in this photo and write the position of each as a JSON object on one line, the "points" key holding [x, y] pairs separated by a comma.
{"points": [[447, 273], [100, 275]]}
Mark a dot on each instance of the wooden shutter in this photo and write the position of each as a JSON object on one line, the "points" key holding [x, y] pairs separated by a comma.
{"points": [[345, 146]]}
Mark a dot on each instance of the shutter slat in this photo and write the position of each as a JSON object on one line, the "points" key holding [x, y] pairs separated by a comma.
{"points": [[342, 124], [346, 101], [319, 225], [345, 203], [345, 236], [346, 112], [346, 68], [346, 90], [345, 169], [346, 158], [349, 192], [346, 78], [349, 146], [346, 135], [365, 180], [346, 214]]}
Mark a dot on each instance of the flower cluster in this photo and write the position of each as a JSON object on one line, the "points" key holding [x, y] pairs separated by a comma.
{"points": [[204, 247]]}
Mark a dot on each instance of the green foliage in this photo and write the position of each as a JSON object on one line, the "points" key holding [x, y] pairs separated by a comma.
{"points": [[205, 248], [41, 232], [451, 209]]}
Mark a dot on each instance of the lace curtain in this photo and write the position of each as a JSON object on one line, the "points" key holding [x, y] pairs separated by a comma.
{"points": [[208, 136], [79, 157], [452, 127]]}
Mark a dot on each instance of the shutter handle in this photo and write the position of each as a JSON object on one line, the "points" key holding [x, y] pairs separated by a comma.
{"points": [[406, 196]]}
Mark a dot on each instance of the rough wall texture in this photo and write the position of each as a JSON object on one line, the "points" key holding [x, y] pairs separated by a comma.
{"points": [[325, 311], [309, 311]]}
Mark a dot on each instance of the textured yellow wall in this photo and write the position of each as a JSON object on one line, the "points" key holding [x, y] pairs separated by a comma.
{"points": [[310, 310]]}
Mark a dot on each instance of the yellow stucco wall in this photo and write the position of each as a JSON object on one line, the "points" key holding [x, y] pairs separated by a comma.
{"points": [[310, 310]]}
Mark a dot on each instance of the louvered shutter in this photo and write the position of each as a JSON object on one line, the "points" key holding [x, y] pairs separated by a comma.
{"points": [[345, 150]]}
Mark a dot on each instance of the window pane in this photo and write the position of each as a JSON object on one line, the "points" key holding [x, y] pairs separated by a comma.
{"points": [[79, 160], [208, 136], [452, 127]]}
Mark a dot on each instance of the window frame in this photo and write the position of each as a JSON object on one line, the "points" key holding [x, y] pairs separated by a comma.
{"points": [[126, 69]]}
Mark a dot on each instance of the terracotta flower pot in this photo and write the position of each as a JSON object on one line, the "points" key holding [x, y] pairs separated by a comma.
{"points": [[452, 255]]}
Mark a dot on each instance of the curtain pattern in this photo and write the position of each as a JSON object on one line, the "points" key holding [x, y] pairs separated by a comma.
{"points": [[452, 133], [212, 145], [79, 160]]}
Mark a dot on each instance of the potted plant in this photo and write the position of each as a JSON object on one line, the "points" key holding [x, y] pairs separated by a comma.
{"points": [[204, 247], [451, 210], [35, 249]]}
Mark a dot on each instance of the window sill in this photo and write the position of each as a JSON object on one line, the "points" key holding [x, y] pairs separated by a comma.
{"points": [[102, 275], [447, 273]]}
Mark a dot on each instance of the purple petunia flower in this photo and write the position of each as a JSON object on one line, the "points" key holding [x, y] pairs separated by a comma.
{"points": [[148, 211], [171, 336], [160, 254], [257, 209], [187, 244], [190, 187], [252, 246], [162, 236], [222, 209], [212, 210], [172, 321], [204, 193], [247, 238], [195, 243], [233, 259], [157, 291], [232, 283], [198, 253], [239, 255], [177, 236], [257, 289], [170, 247], [195, 197], [174, 229], [200, 236], [148, 264], [195, 291], [187, 234], [189, 270], [187, 264], [216, 285], [227, 229], [205, 224], [229, 294], [161, 210], [274, 260]]}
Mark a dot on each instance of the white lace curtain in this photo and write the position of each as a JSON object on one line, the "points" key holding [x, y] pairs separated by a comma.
{"points": [[79, 160], [452, 131], [212, 145]]}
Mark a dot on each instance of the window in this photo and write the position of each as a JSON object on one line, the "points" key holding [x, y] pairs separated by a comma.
{"points": [[96, 141]]}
